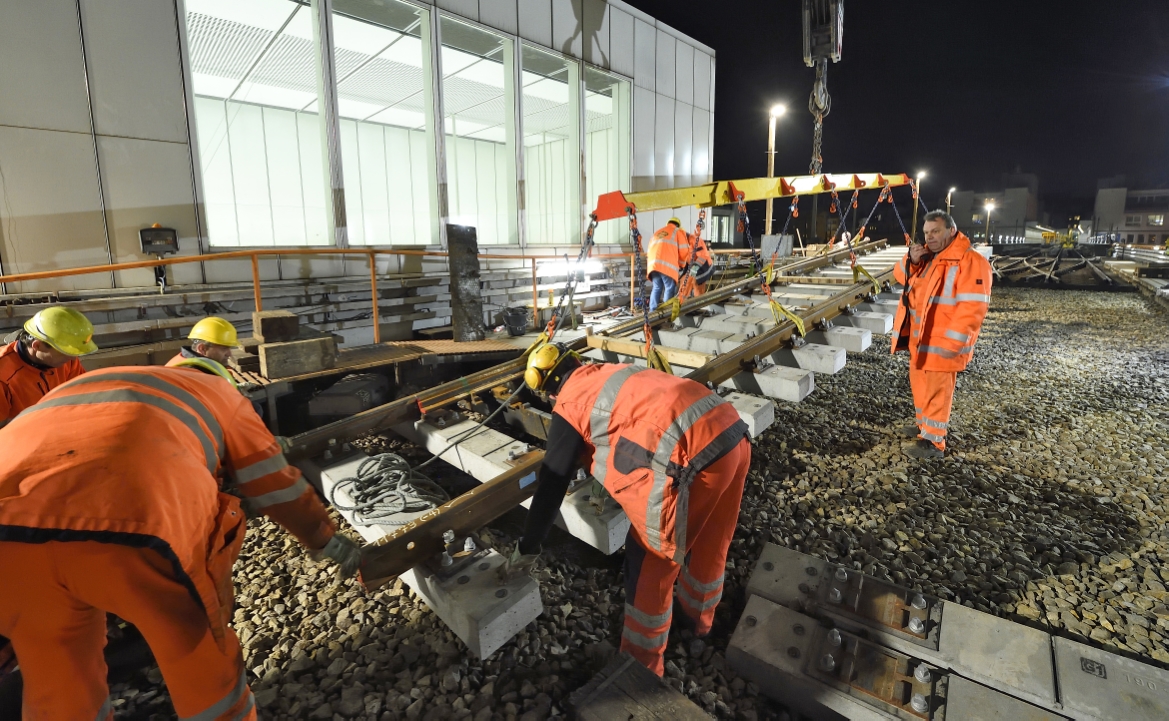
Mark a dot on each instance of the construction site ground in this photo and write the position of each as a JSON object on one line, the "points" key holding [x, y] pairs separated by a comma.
{"points": [[1049, 509]]}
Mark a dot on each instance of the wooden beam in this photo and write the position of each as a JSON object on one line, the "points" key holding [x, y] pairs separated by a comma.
{"points": [[688, 358]]}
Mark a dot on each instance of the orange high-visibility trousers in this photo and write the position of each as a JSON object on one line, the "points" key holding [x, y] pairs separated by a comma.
{"points": [[933, 396], [53, 607], [713, 515]]}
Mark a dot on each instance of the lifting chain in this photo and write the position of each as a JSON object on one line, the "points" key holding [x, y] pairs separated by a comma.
{"points": [[819, 105], [653, 357], [574, 273], [688, 282]]}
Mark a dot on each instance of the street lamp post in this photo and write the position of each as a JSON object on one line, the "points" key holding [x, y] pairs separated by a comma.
{"points": [[989, 209], [948, 211], [916, 202], [772, 116]]}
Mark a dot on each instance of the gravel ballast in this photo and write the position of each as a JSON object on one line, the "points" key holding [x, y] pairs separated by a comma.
{"points": [[1048, 509]]}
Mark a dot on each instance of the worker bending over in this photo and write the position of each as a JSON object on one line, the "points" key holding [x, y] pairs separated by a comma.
{"points": [[673, 454], [947, 294], [212, 338], [669, 250], [702, 264], [112, 499], [41, 357]]}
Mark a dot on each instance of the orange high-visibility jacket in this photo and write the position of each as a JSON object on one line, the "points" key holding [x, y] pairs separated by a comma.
{"points": [[702, 253], [651, 433], [947, 298], [134, 456], [669, 249], [22, 384]]}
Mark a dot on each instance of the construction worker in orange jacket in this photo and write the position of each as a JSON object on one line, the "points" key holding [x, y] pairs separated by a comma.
{"points": [[112, 500], [41, 357], [213, 338], [702, 265], [947, 294], [673, 454], [669, 250]]}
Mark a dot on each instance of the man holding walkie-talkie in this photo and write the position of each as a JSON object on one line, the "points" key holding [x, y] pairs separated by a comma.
{"points": [[947, 294]]}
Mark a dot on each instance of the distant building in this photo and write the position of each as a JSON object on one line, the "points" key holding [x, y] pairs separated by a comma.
{"points": [[1131, 216], [1014, 208]]}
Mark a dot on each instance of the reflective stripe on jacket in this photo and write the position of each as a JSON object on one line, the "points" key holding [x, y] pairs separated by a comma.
{"points": [[134, 456], [939, 317], [669, 249], [22, 384], [650, 437]]}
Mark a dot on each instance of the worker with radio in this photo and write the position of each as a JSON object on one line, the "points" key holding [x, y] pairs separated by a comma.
{"points": [[669, 250], [112, 500], [42, 356], [946, 297], [673, 454], [212, 338]]}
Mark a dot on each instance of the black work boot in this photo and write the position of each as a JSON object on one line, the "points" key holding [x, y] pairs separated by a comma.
{"points": [[923, 449], [909, 431]]}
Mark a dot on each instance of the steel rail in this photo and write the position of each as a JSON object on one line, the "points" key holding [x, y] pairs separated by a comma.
{"points": [[422, 539], [318, 440]]}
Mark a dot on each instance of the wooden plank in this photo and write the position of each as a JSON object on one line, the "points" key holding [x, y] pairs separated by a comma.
{"points": [[275, 326], [282, 360], [688, 358]]}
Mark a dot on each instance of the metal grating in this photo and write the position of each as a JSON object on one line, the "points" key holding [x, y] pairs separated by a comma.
{"points": [[223, 47]]}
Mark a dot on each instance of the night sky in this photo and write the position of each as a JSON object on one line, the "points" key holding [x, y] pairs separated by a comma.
{"points": [[1072, 91]]}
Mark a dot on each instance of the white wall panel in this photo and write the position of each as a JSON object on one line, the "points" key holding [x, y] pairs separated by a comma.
{"points": [[42, 79], [218, 182], [711, 104], [644, 111], [568, 27], [282, 147], [399, 186], [644, 54], [536, 21], [135, 200], [489, 211], [500, 14], [596, 32], [351, 170], [700, 158], [621, 41], [420, 148], [664, 142], [312, 180], [683, 143], [684, 68], [666, 58], [135, 81], [466, 8], [51, 214], [375, 200], [702, 70], [250, 175]]}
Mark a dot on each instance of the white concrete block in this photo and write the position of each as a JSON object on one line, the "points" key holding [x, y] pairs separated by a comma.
{"points": [[605, 532], [785, 384], [706, 341], [875, 322], [676, 338], [476, 455], [473, 604], [757, 413], [346, 467], [811, 357], [888, 307], [853, 340], [728, 324], [733, 342]]}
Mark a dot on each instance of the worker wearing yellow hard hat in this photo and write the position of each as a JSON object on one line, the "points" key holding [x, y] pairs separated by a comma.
{"points": [[42, 356], [211, 339], [668, 252]]}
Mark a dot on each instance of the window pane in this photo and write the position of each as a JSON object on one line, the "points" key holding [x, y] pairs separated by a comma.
{"points": [[385, 147], [253, 72], [478, 107], [551, 98], [606, 144]]}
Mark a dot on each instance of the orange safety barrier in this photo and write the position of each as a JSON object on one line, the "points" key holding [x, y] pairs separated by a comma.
{"points": [[255, 255]]}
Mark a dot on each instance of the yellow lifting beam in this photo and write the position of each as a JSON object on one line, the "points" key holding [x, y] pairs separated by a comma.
{"points": [[617, 204]]}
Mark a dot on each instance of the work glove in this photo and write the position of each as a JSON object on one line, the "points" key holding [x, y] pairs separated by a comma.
{"points": [[518, 564], [597, 497], [344, 552], [284, 442]]}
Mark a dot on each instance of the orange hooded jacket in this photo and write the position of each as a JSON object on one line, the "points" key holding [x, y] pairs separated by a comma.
{"points": [[942, 311], [22, 384]]}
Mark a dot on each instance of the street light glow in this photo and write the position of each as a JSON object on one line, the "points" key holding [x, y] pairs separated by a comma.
{"points": [[989, 206], [778, 110], [920, 174], [952, 189]]}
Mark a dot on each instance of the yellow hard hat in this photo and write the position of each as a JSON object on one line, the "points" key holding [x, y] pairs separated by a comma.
{"points": [[207, 366], [215, 330], [65, 329], [543, 361], [675, 221]]}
